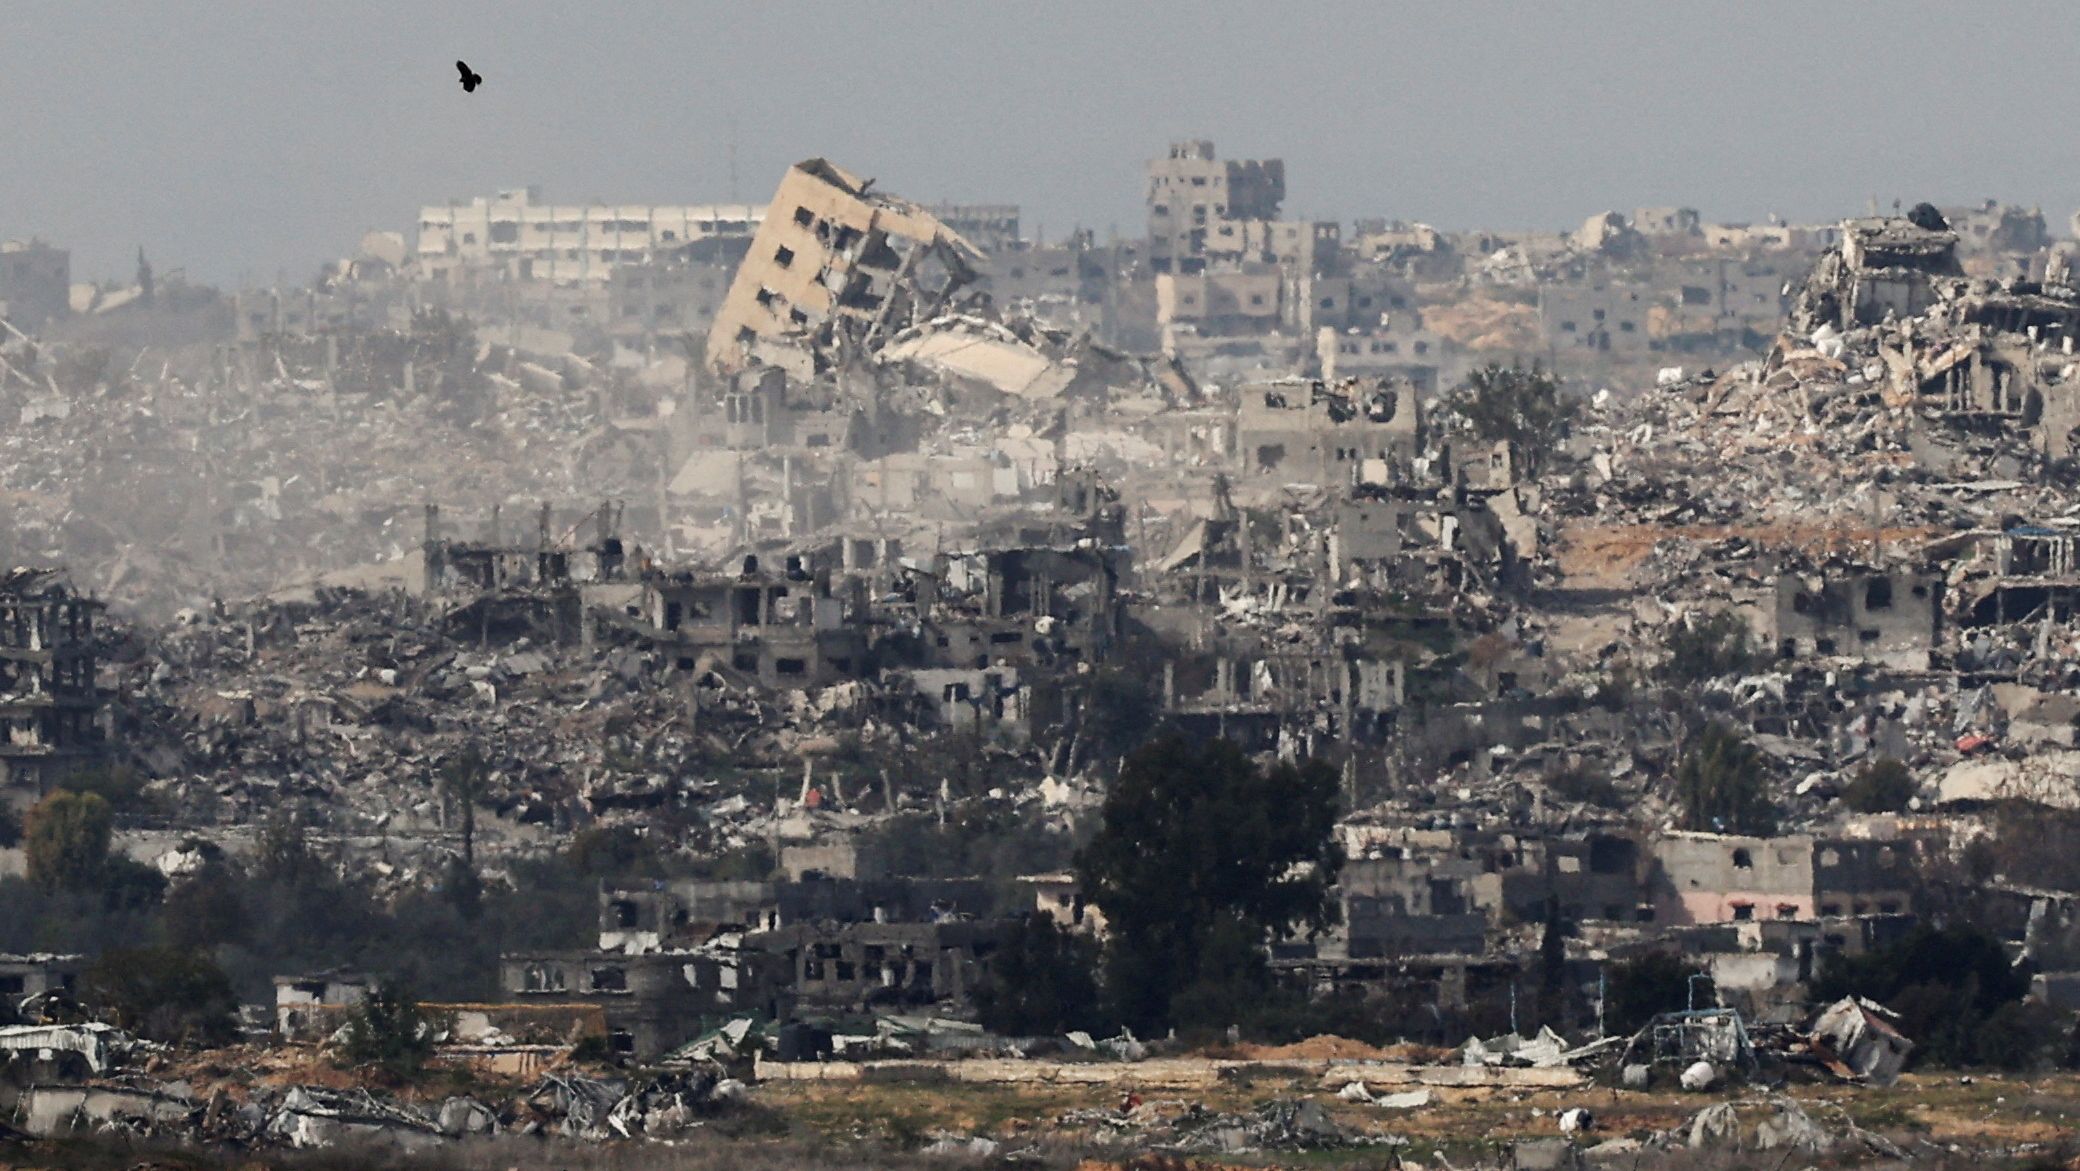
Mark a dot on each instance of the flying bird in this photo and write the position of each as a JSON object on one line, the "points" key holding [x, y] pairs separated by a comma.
{"points": [[470, 81]]}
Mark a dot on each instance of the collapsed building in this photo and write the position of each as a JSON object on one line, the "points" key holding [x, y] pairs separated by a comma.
{"points": [[678, 958], [837, 264], [50, 698]]}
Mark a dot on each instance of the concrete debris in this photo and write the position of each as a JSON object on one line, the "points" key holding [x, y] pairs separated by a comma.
{"points": [[1545, 1154], [1859, 1039], [1547, 1050], [1405, 1100], [1189, 1128], [976, 1147], [47, 1111], [313, 1118], [96, 1048], [462, 1117], [1775, 1124]]}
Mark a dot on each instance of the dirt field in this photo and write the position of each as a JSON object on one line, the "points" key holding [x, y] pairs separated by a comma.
{"points": [[1938, 1120], [1989, 1113]]}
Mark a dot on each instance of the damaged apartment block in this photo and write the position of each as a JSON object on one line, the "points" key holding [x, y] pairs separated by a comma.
{"points": [[834, 935], [1890, 618], [834, 268], [49, 698], [498, 590]]}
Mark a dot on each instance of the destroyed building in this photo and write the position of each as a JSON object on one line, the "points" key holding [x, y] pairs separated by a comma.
{"points": [[992, 227], [501, 588], [671, 296], [316, 1004], [783, 629], [24, 978], [833, 266], [1719, 878], [50, 697], [1397, 906], [1326, 433], [652, 1003], [1601, 318], [1895, 619], [35, 283], [1416, 356], [1884, 268], [676, 957], [1200, 206]]}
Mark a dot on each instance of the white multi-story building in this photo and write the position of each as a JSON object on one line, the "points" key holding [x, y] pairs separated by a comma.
{"points": [[527, 239]]}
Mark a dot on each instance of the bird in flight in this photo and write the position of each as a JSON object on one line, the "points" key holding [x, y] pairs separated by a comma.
{"points": [[470, 81]]}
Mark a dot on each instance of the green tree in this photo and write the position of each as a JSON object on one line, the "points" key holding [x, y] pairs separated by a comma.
{"points": [[1120, 713], [1197, 845], [1554, 1002], [1721, 784], [1042, 980], [464, 780], [2032, 844], [388, 1031], [1639, 989], [1708, 646], [1883, 786], [118, 784], [1945, 984], [66, 837], [2023, 1036], [1522, 405], [284, 855], [1231, 984], [205, 909], [170, 994]]}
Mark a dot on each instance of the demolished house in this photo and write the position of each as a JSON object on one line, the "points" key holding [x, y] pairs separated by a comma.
{"points": [[835, 935], [1327, 433], [1856, 1038], [1884, 269]]}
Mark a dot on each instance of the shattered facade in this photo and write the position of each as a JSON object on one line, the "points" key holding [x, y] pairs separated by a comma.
{"points": [[834, 266], [51, 703]]}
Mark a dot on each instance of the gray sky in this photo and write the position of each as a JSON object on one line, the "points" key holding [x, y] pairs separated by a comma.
{"points": [[238, 137]]}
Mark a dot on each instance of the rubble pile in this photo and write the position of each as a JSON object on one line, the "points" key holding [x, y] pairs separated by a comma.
{"points": [[195, 475], [1190, 1128], [346, 709], [1875, 450], [298, 1117], [1774, 1124]]}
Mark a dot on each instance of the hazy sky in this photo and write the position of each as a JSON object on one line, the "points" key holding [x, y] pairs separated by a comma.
{"points": [[241, 137]]}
